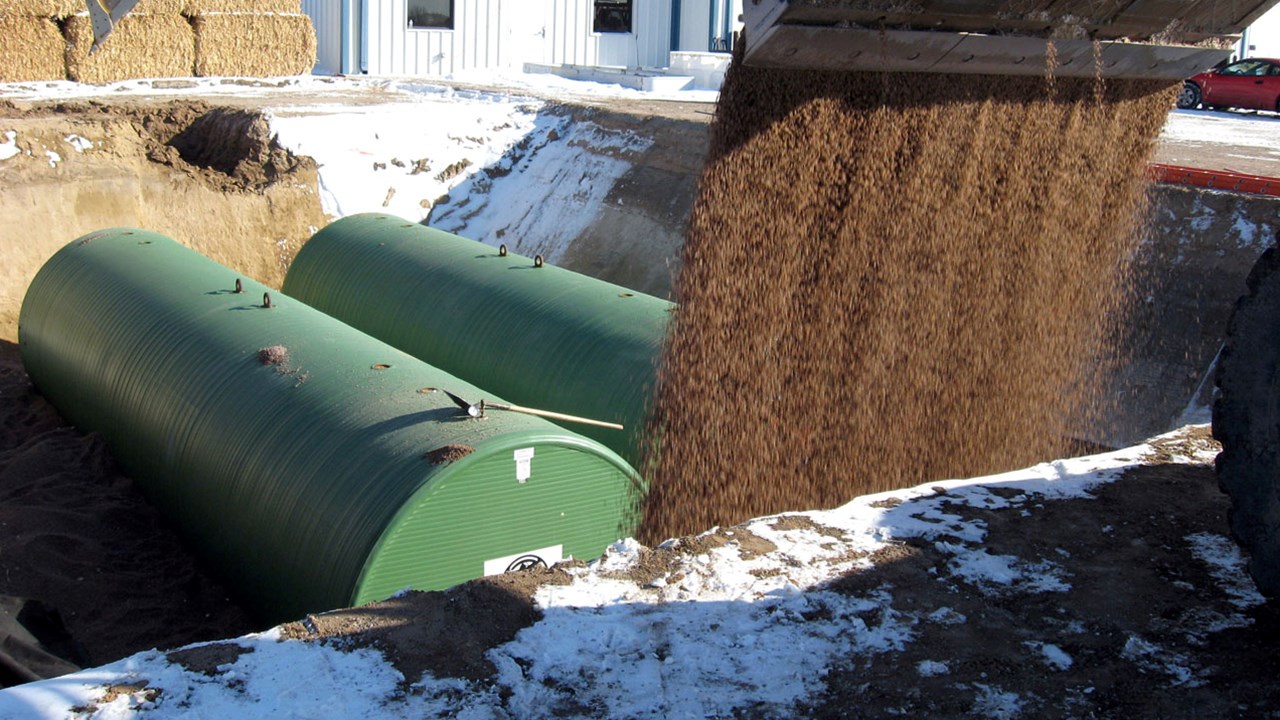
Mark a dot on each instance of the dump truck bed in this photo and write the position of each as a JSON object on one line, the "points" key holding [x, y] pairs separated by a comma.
{"points": [[1151, 39]]}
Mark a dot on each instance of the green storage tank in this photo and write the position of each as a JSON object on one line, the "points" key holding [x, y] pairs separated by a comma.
{"points": [[543, 337], [308, 462]]}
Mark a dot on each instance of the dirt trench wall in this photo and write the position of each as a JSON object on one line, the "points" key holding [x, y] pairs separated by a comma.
{"points": [[72, 176], [607, 193], [1198, 246], [650, 204], [1198, 249]]}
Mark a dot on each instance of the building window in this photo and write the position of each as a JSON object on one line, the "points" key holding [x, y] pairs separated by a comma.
{"points": [[430, 14], [612, 16]]}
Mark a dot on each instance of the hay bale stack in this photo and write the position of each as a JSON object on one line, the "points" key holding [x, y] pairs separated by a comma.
{"points": [[254, 45], [157, 7], [141, 46], [67, 8], [255, 7], [31, 48], [42, 8]]}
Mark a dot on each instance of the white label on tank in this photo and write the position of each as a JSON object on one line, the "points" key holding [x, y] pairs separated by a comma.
{"points": [[542, 557], [524, 464]]}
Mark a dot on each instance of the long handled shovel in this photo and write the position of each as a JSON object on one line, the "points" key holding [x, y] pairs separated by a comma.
{"points": [[477, 410]]}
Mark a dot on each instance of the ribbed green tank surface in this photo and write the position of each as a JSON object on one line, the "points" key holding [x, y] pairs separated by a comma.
{"points": [[543, 337], [307, 461]]}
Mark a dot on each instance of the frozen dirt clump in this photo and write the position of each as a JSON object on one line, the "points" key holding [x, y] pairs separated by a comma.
{"points": [[238, 146]]}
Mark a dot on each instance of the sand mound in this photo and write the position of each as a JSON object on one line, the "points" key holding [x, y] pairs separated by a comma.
{"points": [[80, 539]]}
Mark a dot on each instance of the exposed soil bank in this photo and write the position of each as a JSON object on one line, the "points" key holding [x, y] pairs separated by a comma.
{"points": [[649, 206], [84, 167], [1147, 632], [1198, 248]]}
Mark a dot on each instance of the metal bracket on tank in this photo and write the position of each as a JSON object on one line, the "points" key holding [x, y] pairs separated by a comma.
{"points": [[477, 410]]}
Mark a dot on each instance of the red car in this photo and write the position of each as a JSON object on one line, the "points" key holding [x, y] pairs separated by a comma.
{"points": [[1252, 84]]}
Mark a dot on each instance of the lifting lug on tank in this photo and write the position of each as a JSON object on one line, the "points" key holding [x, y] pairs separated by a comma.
{"points": [[1080, 38]]}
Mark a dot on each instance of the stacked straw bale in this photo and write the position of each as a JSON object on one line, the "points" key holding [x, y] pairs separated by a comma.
{"points": [[142, 45], [31, 45], [42, 8], [256, 7], [253, 44], [31, 48], [159, 7], [159, 38]]}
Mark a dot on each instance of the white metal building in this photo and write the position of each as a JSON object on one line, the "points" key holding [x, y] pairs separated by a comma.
{"points": [[439, 37], [1262, 38]]}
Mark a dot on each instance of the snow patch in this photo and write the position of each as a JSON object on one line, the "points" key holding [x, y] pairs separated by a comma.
{"points": [[1186, 126], [546, 192], [947, 616], [1002, 573], [9, 148], [1152, 657], [80, 144], [384, 158], [931, 668], [1051, 655], [996, 703], [1228, 567], [274, 678], [658, 659], [1247, 231]]}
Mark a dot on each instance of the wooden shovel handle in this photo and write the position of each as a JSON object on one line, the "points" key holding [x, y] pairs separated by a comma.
{"points": [[554, 415]]}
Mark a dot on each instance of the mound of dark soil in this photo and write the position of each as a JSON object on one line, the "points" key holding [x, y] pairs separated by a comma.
{"points": [[232, 149], [237, 144]]}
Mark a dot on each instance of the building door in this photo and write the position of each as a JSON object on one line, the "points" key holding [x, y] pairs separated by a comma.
{"points": [[524, 34]]}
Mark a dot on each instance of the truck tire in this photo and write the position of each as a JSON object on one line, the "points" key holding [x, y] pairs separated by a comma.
{"points": [[1246, 420]]}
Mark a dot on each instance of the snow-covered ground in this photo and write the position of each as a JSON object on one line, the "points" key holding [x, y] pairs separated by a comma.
{"points": [[723, 631], [483, 154], [1251, 130], [303, 87], [482, 164], [1245, 142]]}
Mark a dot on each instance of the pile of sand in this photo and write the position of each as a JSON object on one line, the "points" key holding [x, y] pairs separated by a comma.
{"points": [[79, 537]]}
